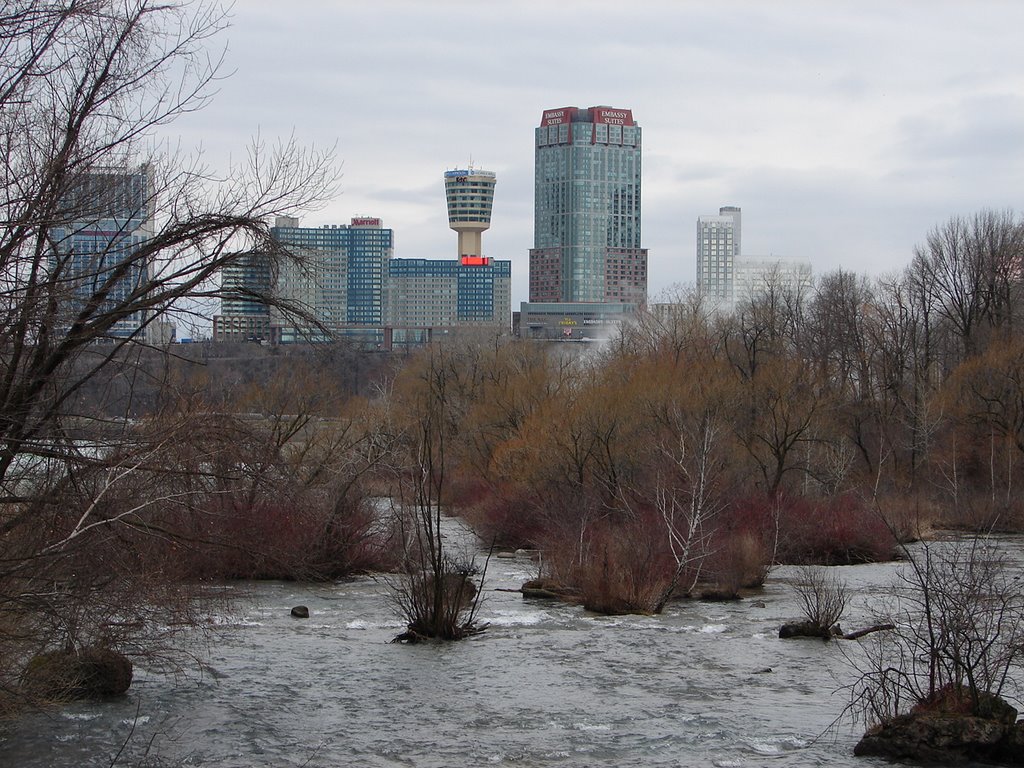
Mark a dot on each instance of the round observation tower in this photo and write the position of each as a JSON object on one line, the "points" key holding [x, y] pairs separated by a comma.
{"points": [[470, 193]]}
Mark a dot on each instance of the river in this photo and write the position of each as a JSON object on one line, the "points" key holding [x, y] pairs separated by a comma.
{"points": [[704, 684]]}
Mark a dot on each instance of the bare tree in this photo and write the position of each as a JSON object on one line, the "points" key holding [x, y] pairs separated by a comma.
{"points": [[85, 87], [689, 495], [959, 637], [971, 268], [679, 323], [436, 596], [823, 598]]}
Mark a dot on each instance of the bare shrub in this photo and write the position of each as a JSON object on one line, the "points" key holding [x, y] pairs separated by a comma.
{"points": [[436, 594], [737, 560], [838, 530], [438, 603], [624, 570], [959, 637], [433, 595], [823, 597], [508, 517]]}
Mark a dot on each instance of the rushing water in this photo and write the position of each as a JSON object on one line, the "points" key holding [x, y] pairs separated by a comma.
{"points": [[705, 684]]}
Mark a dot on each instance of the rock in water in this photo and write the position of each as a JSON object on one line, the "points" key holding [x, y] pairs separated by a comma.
{"points": [[88, 673], [300, 612], [805, 629], [952, 727], [934, 738]]}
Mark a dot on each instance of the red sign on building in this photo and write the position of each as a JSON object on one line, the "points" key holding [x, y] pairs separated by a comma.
{"points": [[613, 116], [365, 222], [557, 116]]}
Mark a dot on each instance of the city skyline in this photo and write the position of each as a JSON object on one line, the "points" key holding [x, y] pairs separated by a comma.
{"points": [[845, 132]]}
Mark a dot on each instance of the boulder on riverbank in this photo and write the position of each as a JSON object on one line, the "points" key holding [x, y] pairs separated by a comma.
{"points": [[945, 732], [86, 673]]}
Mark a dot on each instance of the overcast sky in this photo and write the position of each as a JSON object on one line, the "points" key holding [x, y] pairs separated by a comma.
{"points": [[844, 130]]}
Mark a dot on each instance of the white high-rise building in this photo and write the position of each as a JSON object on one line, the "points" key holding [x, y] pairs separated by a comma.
{"points": [[726, 276], [754, 276], [718, 245]]}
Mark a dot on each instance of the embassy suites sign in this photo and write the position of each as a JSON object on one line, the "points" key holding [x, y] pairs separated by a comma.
{"points": [[558, 116], [613, 116], [606, 115]]}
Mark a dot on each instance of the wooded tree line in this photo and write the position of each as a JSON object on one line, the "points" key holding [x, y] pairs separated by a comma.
{"points": [[699, 446]]}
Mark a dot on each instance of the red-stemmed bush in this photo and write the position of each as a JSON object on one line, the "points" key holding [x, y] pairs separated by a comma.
{"points": [[836, 530]]}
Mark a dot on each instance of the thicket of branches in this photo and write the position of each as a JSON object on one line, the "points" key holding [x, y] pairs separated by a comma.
{"points": [[435, 592], [697, 447], [96, 512], [958, 646]]}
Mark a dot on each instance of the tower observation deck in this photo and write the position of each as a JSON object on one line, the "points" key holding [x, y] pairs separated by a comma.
{"points": [[470, 194]]}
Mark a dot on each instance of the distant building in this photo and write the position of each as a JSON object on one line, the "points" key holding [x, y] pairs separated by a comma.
{"points": [[587, 172], [245, 285], [587, 247], [426, 296], [718, 245], [470, 196], [440, 294], [338, 279], [573, 321], [756, 275], [101, 228], [726, 276], [346, 280]]}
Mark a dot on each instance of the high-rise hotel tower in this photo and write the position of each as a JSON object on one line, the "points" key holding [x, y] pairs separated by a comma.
{"points": [[587, 208]]}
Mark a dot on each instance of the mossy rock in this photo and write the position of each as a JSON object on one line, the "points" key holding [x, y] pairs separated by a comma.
{"points": [[86, 673]]}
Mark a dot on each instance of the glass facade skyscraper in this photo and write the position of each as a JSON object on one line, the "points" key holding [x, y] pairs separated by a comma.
{"points": [[104, 222], [587, 208], [340, 280]]}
